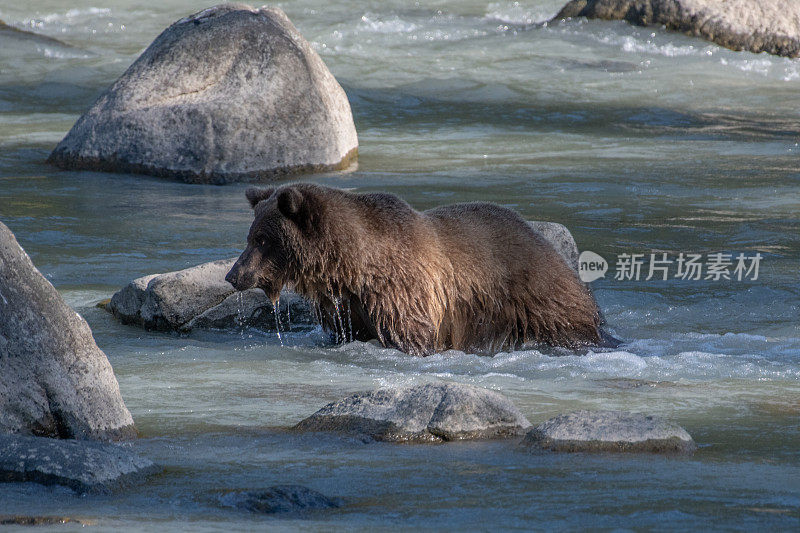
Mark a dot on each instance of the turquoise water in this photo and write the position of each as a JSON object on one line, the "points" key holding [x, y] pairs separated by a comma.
{"points": [[638, 140]]}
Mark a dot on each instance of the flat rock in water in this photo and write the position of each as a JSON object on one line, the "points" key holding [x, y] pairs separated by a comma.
{"points": [[230, 93], [771, 26], [84, 466], [609, 431], [199, 297], [55, 381], [426, 413], [278, 499]]}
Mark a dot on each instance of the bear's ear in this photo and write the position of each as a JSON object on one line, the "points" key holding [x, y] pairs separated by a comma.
{"points": [[290, 204], [255, 195]]}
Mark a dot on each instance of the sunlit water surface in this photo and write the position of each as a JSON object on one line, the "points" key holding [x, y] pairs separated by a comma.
{"points": [[637, 139]]}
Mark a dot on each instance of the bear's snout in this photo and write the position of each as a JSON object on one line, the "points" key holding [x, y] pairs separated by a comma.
{"points": [[232, 277], [243, 273]]}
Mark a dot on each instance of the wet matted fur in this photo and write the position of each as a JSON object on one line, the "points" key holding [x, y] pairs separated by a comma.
{"points": [[472, 277]]}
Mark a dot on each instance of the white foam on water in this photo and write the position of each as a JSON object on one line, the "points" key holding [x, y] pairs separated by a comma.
{"points": [[767, 66], [63, 53], [518, 13], [673, 364], [391, 24], [69, 17], [629, 43]]}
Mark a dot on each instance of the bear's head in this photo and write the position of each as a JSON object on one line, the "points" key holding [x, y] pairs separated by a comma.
{"points": [[284, 219]]}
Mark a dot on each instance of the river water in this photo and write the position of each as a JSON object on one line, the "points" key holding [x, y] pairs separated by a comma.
{"points": [[639, 140]]}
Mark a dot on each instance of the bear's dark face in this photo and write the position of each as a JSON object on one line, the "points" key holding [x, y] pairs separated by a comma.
{"points": [[270, 254]]}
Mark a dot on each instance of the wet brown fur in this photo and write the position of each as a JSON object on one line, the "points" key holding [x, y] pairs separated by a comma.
{"points": [[472, 277]]}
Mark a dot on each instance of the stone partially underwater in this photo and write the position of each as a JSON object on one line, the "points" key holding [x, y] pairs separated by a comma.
{"points": [[199, 297], [230, 93], [435, 412], [278, 499], [84, 466], [56, 386], [56, 381], [610, 431], [13, 33], [771, 26]]}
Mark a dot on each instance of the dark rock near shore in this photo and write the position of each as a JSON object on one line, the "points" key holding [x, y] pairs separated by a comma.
{"points": [[84, 466], [427, 413], [199, 297], [609, 431], [278, 499], [55, 381], [771, 26], [230, 93]]}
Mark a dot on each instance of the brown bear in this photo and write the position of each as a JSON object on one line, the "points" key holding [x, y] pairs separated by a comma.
{"points": [[472, 277]]}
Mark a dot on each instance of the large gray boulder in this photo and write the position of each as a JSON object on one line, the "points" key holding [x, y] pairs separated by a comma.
{"points": [[771, 26], [426, 413], [230, 93], [199, 297], [609, 431], [84, 466], [55, 381]]}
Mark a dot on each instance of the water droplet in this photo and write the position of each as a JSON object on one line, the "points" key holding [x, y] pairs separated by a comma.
{"points": [[276, 312]]}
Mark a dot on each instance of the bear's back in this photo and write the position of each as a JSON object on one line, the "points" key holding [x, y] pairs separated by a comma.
{"points": [[493, 236], [510, 284]]}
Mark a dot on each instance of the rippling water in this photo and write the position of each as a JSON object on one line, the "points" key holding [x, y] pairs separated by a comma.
{"points": [[637, 139]]}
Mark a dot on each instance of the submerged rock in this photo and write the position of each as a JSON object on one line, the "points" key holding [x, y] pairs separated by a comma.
{"points": [[10, 32], [230, 93], [771, 26], [55, 381], [278, 499], [609, 431], [427, 413], [199, 297], [84, 466], [630, 383]]}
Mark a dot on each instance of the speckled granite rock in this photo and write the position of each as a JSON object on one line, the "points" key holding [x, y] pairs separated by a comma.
{"points": [[560, 237], [426, 413], [771, 26], [230, 93], [55, 381], [278, 499], [199, 297], [84, 466], [609, 431]]}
